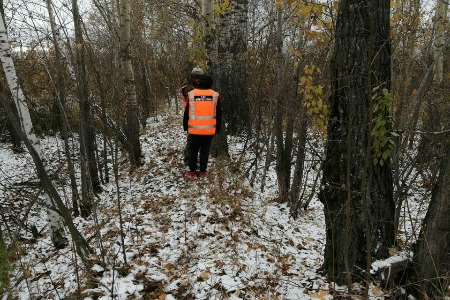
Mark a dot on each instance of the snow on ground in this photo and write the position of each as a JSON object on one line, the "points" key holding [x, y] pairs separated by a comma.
{"points": [[216, 238]]}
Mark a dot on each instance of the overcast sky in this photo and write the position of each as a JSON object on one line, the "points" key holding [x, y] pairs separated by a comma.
{"points": [[27, 20]]}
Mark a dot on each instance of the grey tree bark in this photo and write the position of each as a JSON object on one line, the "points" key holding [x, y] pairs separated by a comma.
{"points": [[357, 194], [60, 98], [284, 140], [232, 69], [302, 127], [217, 68], [90, 181], [431, 258], [132, 122]]}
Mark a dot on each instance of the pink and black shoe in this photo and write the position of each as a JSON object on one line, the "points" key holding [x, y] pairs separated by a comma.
{"points": [[191, 175]]}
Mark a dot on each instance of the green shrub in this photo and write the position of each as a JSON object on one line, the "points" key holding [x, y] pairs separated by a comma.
{"points": [[5, 267]]}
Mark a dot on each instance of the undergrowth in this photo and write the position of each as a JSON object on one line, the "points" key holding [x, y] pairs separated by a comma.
{"points": [[5, 267]]}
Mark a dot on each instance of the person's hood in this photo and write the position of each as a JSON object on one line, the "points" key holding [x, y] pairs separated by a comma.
{"points": [[205, 82]]}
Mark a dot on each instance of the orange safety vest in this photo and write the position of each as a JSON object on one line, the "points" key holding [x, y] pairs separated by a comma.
{"points": [[202, 111]]}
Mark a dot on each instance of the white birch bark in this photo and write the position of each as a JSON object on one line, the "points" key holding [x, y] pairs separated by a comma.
{"points": [[209, 34], [134, 146], [439, 40], [54, 220]]}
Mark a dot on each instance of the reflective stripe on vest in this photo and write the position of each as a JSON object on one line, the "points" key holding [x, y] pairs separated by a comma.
{"points": [[202, 122]]}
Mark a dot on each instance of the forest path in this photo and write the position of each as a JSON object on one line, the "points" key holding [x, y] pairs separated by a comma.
{"points": [[214, 236]]}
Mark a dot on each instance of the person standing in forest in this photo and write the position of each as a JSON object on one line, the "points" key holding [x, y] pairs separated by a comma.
{"points": [[202, 119], [188, 85]]}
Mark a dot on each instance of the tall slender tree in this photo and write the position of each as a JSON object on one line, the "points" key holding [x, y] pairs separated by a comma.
{"points": [[284, 139], [60, 95], [132, 122], [357, 188], [90, 181]]}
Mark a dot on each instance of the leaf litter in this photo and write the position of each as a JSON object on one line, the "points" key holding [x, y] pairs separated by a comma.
{"points": [[215, 238]]}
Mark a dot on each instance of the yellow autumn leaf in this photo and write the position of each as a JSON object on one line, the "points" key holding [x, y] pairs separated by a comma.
{"points": [[27, 273], [162, 296], [308, 88], [319, 103], [279, 4], [237, 292], [376, 291], [317, 90], [310, 34], [204, 275], [319, 295], [291, 50], [396, 16], [309, 70], [305, 10], [302, 80], [168, 266]]}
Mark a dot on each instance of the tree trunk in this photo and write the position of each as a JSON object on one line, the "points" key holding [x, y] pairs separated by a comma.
{"points": [[209, 35], [298, 105], [60, 98], [232, 68], [431, 258], [55, 223], [284, 143], [132, 124], [90, 181], [351, 182], [217, 62]]}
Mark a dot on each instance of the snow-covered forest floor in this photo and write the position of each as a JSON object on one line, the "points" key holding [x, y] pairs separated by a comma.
{"points": [[216, 238]]}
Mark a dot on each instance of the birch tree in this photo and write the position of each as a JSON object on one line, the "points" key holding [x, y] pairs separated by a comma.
{"points": [[132, 123], [56, 228], [209, 35]]}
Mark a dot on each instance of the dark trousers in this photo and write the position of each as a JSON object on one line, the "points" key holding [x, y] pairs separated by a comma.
{"points": [[198, 143], [186, 152]]}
